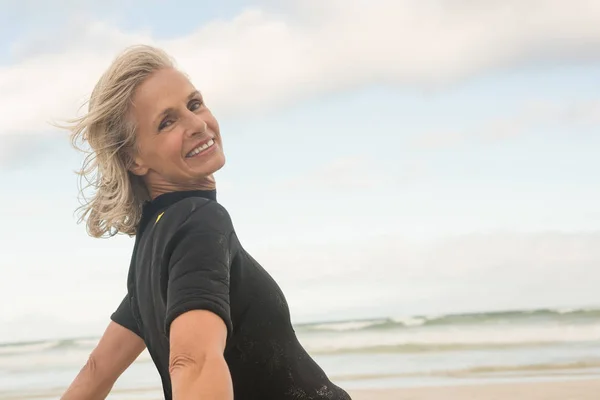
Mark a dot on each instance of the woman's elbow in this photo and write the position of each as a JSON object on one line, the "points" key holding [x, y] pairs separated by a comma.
{"points": [[200, 376], [96, 372], [186, 362], [91, 365]]}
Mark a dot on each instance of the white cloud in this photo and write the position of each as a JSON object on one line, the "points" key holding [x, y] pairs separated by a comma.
{"points": [[25, 149], [348, 173], [533, 114], [260, 60], [582, 113]]}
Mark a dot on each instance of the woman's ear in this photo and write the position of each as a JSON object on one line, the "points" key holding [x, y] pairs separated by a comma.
{"points": [[137, 166]]}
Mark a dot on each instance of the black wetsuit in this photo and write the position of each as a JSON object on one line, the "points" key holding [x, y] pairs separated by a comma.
{"points": [[187, 256]]}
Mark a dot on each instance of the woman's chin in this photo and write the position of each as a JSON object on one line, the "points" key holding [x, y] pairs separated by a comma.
{"points": [[209, 169]]}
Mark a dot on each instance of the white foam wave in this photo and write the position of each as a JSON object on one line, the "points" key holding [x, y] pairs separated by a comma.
{"points": [[346, 326], [411, 321], [452, 337], [66, 358], [88, 343], [28, 347], [567, 310]]}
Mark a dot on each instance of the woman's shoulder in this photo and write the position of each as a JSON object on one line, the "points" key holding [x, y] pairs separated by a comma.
{"points": [[199, 213]]}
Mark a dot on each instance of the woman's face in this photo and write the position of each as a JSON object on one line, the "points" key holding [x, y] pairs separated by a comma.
{"points": [[179, 145]]}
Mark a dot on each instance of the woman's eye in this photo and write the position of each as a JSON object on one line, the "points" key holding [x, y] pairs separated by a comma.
{"points": [[164, 124], [195, 105]]}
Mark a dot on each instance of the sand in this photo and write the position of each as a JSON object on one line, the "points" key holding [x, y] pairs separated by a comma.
{"points": [[567, 390], [564, 390]]}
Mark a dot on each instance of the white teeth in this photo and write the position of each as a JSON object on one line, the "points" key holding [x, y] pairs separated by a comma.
{"points": [[200, 148]]}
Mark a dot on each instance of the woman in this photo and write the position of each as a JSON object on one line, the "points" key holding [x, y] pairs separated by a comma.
{"points": [[215, 323]]}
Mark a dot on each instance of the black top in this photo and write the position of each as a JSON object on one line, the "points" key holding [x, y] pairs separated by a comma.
{"points": [[187, 256]]}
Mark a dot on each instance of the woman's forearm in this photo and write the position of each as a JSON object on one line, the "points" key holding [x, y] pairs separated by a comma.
{"points": [[88, 384], [115, 351], [201, 379]]}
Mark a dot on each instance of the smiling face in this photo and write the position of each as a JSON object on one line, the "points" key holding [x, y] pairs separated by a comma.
{"points": [[179, 145]]}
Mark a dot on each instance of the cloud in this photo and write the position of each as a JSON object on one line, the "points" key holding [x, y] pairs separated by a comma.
{"points": [[581, 113], [25, 149], [355, 173], [260, 59], [533, 114], [346, 173], [513, 270]]}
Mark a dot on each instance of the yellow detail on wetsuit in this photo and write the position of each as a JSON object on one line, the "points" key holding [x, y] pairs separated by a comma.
{"points": [[159, 217]]}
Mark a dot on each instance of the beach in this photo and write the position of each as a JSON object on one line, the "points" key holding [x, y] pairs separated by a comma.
{"points": [[587, 389], [583, 389], [520, 354]]}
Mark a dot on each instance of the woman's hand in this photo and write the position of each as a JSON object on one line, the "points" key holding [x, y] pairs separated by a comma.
{"points": [[196, 364], [116, 350]]}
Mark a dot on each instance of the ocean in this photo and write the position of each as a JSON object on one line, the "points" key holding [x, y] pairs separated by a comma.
{"points": [[543, 344]]}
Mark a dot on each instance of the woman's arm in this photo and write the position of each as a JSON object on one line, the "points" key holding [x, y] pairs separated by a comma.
{"points": [[198, 316], [116, 350], [196, 364]]}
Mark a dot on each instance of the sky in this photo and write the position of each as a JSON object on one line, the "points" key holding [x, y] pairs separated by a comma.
{"points": [[384, 158]]}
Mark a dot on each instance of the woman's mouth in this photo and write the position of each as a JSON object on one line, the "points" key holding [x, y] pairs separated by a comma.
{"points": [[200, 149]]}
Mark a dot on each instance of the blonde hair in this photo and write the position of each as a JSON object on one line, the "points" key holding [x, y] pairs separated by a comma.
{"points": [[116, 204]]}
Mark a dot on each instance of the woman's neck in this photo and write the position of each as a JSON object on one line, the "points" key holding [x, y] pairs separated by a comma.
{"points": [[155, 189]]}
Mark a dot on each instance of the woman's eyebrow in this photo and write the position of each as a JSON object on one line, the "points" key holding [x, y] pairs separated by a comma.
{"points": [[165, 112], [169, 110], [195, 93]]}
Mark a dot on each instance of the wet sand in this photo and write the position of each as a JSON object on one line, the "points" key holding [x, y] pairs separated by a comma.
{"points": [[588, 389], [567, 390]]}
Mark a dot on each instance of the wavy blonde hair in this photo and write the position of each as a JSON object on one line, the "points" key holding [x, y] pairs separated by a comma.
{"points": [[118, 195]]}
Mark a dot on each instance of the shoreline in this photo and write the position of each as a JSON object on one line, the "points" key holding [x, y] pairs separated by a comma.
{"points": [[573, 389]]}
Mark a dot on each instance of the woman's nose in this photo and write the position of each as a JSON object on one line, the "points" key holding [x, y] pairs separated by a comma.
{"points": [[195, 124]]}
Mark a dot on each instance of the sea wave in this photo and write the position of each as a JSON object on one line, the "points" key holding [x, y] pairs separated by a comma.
{"points": [[572, 315], [451, 338], [409, 348], [590, 367], [45, 346], [28, 347], [347, 325], [412, 333]]}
